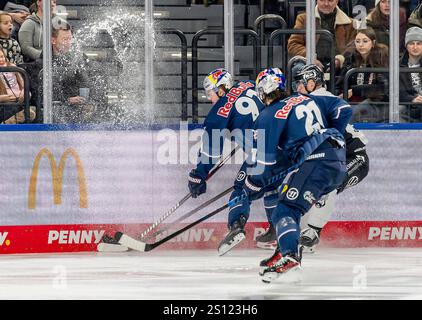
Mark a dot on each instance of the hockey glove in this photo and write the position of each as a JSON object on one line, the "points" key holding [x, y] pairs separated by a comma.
{"points": [[252, 189], [197, 185]]}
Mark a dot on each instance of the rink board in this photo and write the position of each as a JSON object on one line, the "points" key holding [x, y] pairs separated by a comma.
{"points": [[74, 238], [62, 188]]}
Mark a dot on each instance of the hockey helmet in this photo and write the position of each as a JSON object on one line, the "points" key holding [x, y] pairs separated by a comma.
{"points": [[269, 81], [309, 72], [217, 78], [299, 63]]}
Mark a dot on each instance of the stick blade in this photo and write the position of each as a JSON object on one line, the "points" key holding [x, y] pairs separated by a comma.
{"points": [[110, 247], [129, 242]]}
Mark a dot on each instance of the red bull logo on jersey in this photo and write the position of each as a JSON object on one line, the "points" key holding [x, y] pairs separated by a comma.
{"points": [[232, 96], [284, 112]]}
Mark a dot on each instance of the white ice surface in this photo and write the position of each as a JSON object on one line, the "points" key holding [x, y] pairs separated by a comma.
{"points": [[369, 273]]}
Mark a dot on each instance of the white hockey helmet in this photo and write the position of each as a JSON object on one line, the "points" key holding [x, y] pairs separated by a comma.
{"points": [[269, 81], [217, 78]]}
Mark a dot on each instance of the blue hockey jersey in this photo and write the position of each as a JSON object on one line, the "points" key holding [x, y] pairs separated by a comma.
{"points": [[233, 117], [296, 127]]}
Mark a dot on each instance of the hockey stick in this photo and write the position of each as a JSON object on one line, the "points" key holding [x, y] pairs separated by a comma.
{"points": [[134, 244], [210, 174], [114, 246], [110, 245], [190, 213], [142, 246]]}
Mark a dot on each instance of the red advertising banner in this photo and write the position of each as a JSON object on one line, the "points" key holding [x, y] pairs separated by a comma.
{"points": [[78, 238]]}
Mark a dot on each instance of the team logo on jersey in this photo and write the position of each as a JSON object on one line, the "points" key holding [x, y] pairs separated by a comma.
{"points": [[292, 194], [232, 96], [309, 196], [284, 112], [352, 181], [241, 176]]}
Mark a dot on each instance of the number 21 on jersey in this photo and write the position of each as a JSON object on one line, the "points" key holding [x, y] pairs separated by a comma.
{"points": [[313, 120]]}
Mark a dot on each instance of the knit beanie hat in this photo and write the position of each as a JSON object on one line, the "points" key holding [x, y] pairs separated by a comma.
{"points": [[413, 34], [376, 2]]}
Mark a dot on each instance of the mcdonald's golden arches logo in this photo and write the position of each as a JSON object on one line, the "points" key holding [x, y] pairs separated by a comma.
{"points": [[57, 177]]}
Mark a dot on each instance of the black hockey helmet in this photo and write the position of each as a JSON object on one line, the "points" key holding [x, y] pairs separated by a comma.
{"points": [[309, 72]]}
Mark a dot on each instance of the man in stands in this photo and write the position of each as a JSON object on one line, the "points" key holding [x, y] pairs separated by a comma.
{"points": [[329, 17], [69, 76]]}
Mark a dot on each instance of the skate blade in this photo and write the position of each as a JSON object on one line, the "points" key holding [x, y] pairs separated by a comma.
{"points": [[110, 247], [294, 275], [267, 245], [227, 247]]}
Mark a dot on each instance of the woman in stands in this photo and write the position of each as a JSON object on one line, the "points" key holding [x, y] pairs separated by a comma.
{"points": [[366, 87], [379, 20]]}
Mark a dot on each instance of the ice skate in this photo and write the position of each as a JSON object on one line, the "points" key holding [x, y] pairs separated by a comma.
{"points": [[287, 268], [267, 240], [309, 239], [236, 235]]}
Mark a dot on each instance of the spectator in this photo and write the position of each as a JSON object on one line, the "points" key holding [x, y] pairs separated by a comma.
{"points": [[9, 45], [19, 11], [411, 83], [329, 17], [11, 91], [415, 19], [366, 53], [379, 20], [69, 76], [30, 33]]}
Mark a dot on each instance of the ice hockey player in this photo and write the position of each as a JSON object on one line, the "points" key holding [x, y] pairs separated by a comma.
{"points": [[235, 108], [309, 80], [239, 213], [310, 135]]}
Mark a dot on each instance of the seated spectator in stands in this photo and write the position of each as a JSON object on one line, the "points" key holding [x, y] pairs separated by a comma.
{"points": [[366, 87], [11, 91], [411, 83], [329, 17], [30, 33], [379, 20], [69, 76], [9, 45], [18, 10]]}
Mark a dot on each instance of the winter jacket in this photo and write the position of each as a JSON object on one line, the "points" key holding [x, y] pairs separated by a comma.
{"points": [[382, 28], [364, 85], [409, 89], [69, 74], [12, 49], [30, 38], [344, 34]]}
